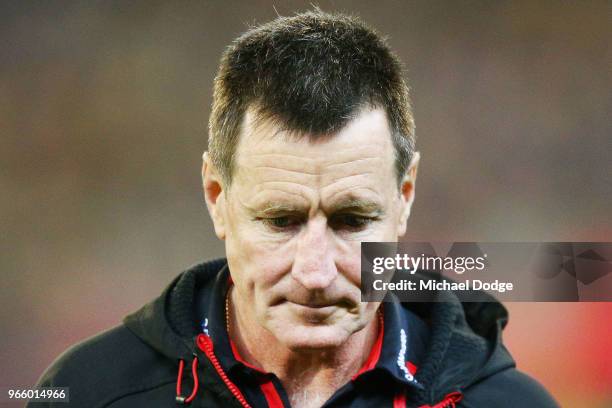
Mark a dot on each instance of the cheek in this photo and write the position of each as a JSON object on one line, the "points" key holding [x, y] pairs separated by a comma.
{"points": [[348, 252], [348, 260], [390, 230], [255, 263]]}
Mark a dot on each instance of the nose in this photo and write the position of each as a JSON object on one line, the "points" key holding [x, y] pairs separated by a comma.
{"points": [[313, 265]]}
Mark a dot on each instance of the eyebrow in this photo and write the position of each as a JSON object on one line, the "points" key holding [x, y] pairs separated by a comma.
{"points": [[273, 208], [363, 206], [358, 205]]}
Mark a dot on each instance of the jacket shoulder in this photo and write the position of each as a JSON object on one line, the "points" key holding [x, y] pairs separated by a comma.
{"points": [[106, 367], [508, 388]]}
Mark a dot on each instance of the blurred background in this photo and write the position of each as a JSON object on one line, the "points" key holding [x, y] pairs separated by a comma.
{"points": [[103, 120]]}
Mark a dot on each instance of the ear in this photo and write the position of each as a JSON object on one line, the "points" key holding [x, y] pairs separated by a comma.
{"points": [[214, 194], [407, 193]]}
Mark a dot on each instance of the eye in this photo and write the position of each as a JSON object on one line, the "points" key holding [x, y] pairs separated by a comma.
{"points": [[282, 223], [349, 221]]}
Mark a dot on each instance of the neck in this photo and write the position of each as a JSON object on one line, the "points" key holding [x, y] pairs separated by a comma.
{"points": [[323, 370]]}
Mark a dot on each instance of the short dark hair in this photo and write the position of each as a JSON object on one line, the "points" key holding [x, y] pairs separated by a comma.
{"points": [[312, 73]]}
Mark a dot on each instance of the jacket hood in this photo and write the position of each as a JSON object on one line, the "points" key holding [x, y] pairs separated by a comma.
{"points": [[168, 323], [465, 343], [464, 346]]}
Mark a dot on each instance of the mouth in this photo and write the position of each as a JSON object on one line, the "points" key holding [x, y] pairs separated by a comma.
{"points": [[314, 305], [317, 312], [313, 314], [318, 309]]}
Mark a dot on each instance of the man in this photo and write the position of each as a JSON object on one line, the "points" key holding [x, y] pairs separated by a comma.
{"points": [[311, 152]]}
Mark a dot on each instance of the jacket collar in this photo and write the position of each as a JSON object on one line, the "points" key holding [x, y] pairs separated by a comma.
{"points": [[462, 341], [404, 335], [404, 345]]}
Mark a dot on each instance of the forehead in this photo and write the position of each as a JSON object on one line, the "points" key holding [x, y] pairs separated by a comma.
{"points": [[356, 162]]}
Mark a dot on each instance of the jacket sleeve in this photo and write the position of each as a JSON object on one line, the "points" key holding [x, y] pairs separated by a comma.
{"points": [[104, 369], [508, 388], [74, 369]]}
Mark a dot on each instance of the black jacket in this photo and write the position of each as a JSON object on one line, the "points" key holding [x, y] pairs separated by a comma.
{"points": [[157, 355]]}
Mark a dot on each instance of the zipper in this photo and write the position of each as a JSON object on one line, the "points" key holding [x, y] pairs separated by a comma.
{"points": [[206, 345]]}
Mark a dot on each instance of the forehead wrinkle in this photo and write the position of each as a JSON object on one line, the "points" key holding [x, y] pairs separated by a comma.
{"points": [[345, 179], [290, 162], [349, 162], [349, 169], [371, 165], [349, 191], [254, 201], [260, 187], [282, 170], [348, 181], [275, 155], [258, 177], [274, 187]]}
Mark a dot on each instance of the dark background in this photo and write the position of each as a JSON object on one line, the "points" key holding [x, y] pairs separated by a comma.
{"points": [[103, 120]]}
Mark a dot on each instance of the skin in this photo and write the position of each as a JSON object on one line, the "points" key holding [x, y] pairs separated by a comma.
{"points": [[292, 221]]}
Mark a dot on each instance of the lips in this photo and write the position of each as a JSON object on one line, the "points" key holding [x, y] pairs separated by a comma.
{"points": [[315, 315], [316, 300], [315, 305], [323, 304], [317, 312]]}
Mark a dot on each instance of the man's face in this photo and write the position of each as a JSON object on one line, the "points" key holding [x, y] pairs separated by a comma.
{"points": [[293, 219]]}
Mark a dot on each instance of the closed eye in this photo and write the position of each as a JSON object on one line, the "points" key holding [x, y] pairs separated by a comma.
{"points": [[353, 222], [285, 222]]}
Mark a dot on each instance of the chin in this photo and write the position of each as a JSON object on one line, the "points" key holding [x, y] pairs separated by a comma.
{"points": [[311, 338]]}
